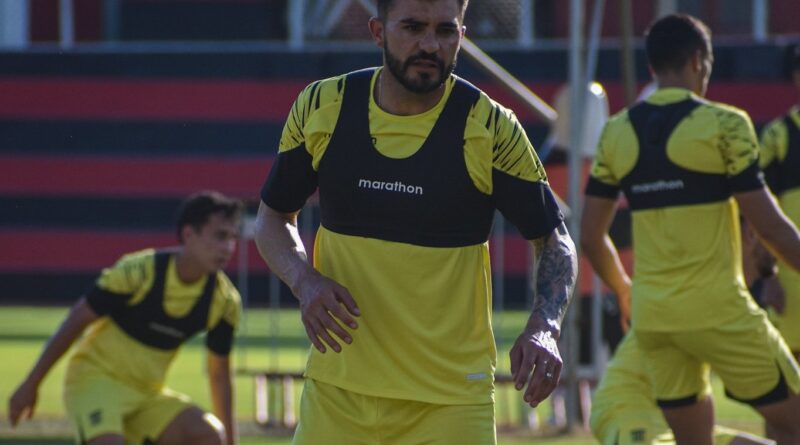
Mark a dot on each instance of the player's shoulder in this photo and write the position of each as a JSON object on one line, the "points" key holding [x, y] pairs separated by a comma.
{"points": [[226, 289], [136, 258], [776, 124], [725, 113], [616, 124], [323, 91]]}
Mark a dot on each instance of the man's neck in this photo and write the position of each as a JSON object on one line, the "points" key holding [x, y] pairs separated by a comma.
{"points": [[396, 99], [187, 269]]}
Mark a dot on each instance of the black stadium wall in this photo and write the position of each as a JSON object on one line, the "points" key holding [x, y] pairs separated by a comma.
{"points": [[97, 148]]}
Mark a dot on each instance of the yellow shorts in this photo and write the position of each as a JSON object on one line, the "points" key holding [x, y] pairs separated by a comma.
{"points": [[788, 322], [748, 354], [332, 416], [631, 426], [99, 404]]}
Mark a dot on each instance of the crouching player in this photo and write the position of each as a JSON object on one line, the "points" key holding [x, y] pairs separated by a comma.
{"points": [[136, 317], [624, 410]]}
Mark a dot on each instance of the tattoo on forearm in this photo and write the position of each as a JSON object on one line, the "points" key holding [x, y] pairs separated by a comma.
{"points": [[556, 273]]}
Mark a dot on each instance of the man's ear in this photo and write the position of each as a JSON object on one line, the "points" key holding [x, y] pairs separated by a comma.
{"points": [[187, 232], [376, 29], [697, 61]]}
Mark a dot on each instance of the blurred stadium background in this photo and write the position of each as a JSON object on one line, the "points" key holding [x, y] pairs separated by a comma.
{"points": [[111, 111]]}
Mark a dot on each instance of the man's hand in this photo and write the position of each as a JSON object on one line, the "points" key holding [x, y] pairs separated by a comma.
{"points": [[535, 350], [22, 402], [323, 304]]}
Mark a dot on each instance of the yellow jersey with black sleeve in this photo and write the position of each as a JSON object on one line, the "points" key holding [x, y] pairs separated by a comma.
{"points": [[678, 158], [147, 312], [406, 204], [780, 159]]}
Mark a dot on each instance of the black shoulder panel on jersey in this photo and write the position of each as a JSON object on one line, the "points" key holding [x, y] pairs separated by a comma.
{"points": [[148, 323], [104, 302], [655, 181], [220, 339], [600, 189], [749, 179], [426, 199], [530, 206], [291, 181]]}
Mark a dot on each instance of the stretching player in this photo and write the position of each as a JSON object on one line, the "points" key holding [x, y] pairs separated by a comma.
{"points": [[135, 319], [684, 163], [780, 159]]}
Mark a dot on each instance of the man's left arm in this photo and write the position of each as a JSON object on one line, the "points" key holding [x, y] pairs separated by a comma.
{"points": [[221, 388], [535, 359], [521, 193]]}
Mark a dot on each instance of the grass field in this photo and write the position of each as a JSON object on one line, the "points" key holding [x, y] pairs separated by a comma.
{"points": [[274, 341]]}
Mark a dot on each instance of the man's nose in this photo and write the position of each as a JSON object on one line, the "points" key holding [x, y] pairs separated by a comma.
{"points": [[429, 43]]}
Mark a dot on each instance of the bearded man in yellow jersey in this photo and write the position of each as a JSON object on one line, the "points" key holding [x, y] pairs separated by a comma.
{"points": [[135, 319], [685, 164], [411, 163], [780, 159]]}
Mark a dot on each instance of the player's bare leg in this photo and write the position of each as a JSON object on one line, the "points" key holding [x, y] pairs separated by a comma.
{"points": [[693, 424], [193, 426], [781, 418]]}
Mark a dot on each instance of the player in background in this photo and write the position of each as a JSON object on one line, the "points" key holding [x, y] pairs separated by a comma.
{"points": [[624, 410], [780, 159], [411, 163], [685, 164], [133, 321]]}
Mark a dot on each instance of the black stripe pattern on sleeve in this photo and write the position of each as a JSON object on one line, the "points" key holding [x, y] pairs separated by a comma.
{"points": [[749, 179], [291, 181], [530, 206], [219, 340], [600, 189], [104, 302]]}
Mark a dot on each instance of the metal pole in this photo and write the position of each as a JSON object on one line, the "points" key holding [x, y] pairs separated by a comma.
{"points": [[14, 23], [112, 15], [66, 23], [666, 7], [760, 20], [296, 12], [525, 36], [594, 40], [628, 69], [577, 96], [246, 233]]}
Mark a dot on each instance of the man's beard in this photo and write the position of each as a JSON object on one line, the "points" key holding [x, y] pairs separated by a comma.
{"points": [[424, 83]]}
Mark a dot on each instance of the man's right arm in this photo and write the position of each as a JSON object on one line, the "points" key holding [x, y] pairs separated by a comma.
{"points": [[23, 401], [322, 300], [770, 223], [597, 216]]}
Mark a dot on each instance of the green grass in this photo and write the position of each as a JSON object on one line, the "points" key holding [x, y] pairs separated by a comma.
{"points": [[268, 341]]}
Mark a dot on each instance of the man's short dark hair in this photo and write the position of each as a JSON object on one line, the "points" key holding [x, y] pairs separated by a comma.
{"points": [[673, 40], [196, 209], [385, 5]]}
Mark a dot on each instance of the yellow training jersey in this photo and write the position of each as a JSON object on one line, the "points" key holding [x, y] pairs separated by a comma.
{"points": [[122, 288], [780, 159], [686, 242], [775, 149], [417, 266]]}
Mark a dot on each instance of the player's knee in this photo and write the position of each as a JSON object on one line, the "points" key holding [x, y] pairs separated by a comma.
{"points": [[209, 431]]}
